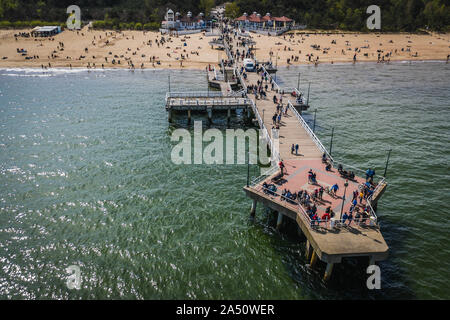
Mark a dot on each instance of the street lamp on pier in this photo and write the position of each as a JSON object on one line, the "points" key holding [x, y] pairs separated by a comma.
{"points": [[343, 197]]}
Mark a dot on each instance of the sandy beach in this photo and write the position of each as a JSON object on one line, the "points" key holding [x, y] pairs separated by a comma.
{"points": [[111, 49]]}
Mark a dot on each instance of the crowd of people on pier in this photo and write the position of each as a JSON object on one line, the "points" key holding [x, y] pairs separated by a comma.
{"points": [[359, 211]]}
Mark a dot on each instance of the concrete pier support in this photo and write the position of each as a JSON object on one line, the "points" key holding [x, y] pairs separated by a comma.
{"points": [[253, 210], [228, 115], [371, 260], [328, 271], [170, 115], [189, 116], [209, 110], [308, 250], [279, 220], [313, 259]]}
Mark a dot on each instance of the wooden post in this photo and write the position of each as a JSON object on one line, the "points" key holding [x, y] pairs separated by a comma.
{"points": [[328, 271], [253, 210], [279, 220], [313, 259]]}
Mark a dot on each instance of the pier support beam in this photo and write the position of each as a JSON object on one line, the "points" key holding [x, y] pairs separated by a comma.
{"points": [[328, 271], [253, 210], [308, 249], [209, 110], [371, 260], [279, 220], [228, 115], [170, 115], [313, 259], [189, 116]]}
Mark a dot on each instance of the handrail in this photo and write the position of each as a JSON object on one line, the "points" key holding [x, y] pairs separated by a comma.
{"points": [[313, 223], [190, 94], [309, 131]]}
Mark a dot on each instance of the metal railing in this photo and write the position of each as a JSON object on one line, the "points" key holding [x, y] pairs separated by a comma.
{"points": [[309, 131], [194, 94], [213, 101], [369, 220]]}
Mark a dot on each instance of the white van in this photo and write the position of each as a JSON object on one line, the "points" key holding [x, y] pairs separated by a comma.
{"points": [[249, 65]]}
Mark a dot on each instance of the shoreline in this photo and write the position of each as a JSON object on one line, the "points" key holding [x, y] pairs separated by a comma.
{"points": [[284, 66]]}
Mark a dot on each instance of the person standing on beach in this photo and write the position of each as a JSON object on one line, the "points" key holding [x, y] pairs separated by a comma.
{"points": [[296, 149]]}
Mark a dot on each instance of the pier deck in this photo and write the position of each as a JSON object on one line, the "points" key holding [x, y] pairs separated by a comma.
{"points": [[329, 240]]}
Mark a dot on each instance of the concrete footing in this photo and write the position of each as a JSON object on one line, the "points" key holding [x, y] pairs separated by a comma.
{"points": [[328, 271], [308, 250], [253, 210], [279, 220], [313, 259], [209, 110]]}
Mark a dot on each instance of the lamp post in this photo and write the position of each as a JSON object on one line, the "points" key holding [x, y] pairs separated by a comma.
{"points": [[314, 125], [387, 162], [343, 197]]}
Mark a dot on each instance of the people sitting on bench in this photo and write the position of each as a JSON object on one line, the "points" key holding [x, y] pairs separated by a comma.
{"points": [[269, 188]]}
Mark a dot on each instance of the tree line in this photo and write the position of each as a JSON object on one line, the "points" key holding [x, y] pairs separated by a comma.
{"points": [[396, 15]]}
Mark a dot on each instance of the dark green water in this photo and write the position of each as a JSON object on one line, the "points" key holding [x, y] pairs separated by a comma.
{"points": [[87, 179]]}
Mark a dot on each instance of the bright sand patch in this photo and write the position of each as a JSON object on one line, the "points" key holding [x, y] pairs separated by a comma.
{"points": [[124, 44]]}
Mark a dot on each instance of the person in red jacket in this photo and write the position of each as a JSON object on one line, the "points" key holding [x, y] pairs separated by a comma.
{"points": [[281, 165], [326, 216]]}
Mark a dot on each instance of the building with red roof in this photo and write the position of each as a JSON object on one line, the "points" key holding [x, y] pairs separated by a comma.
{"points": [[255, 22]]}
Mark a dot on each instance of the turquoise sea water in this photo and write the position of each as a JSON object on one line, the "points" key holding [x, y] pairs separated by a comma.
{"points": [[86, 179]]}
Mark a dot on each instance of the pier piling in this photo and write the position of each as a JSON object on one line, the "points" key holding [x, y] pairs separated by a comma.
{"points": [[308, 250], [209, 110], [253, 210], [328, 271], [279, 220], [313, 259]]}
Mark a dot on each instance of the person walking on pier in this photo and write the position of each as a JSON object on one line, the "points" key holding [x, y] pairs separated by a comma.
{"points": [[281, 165], [334, 189]]}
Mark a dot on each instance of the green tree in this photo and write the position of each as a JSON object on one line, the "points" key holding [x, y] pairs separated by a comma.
{"points": [[232, 10], [206, 6]]}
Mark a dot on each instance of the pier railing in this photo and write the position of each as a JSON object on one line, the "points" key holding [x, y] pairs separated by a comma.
{"points": [[309, 131], [194, 94], [275, 154], [294, 205]]}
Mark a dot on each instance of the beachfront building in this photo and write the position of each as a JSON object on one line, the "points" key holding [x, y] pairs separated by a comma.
{"points": [[184, 24], [47, 31], [265, 24]]}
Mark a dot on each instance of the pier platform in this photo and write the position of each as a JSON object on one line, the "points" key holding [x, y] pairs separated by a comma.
{"points": [[330, 239]]}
